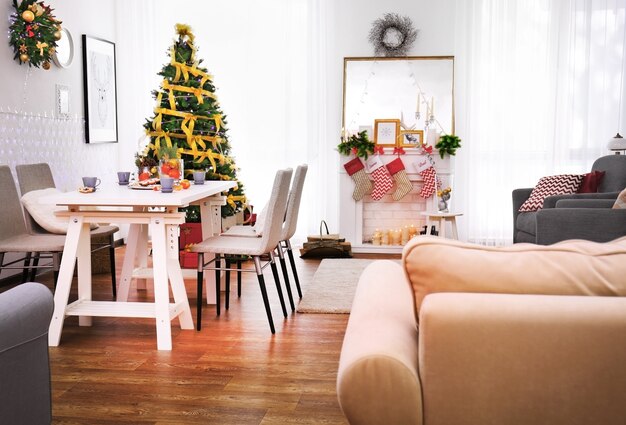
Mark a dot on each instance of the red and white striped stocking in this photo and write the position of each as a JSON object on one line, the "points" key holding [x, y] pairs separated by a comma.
{"points": [[382, 179], [431, 181]]}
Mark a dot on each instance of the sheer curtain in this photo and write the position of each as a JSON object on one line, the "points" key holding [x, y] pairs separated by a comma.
{"points": [[267, 60], [540, 91]]}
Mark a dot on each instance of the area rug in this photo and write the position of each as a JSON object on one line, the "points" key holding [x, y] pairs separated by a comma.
{"points": [[333, 286]]}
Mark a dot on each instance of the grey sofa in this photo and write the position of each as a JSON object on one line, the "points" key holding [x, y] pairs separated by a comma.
{"points": [[586, 216], [25, 313]]}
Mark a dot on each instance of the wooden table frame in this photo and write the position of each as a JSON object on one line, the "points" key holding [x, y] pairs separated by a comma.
{"points": [[163, 224]]}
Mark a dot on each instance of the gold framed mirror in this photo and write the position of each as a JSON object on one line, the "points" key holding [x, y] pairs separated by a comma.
{"points": [[418, 90]]}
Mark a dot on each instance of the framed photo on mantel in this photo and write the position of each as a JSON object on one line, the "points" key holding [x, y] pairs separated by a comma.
{"points": [[100, 90], [386, 132]]}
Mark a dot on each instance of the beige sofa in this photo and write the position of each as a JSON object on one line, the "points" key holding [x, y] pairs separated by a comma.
{"points": [[463, 334]]}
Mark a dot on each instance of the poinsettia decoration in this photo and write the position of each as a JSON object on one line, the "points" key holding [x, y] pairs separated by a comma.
{"points": [[34, 33]]}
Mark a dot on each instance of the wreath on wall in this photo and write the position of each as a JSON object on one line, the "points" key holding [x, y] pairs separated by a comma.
{"points": [[34, 33], [392, 35]]}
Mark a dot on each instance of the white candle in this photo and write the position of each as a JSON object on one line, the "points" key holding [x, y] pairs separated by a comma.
{"points": [[417, 108], [432, 106]]}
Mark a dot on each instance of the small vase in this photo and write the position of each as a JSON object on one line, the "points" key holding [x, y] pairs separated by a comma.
{"points": [[443, 203]]}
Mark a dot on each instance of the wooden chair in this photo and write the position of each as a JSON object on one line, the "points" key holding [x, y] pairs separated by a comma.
{"points": [[260, 249], [14, 236], [38, 176]]}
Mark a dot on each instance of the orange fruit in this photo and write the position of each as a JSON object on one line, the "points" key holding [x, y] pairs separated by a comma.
{"points": [[165, 169], [174, 173], [144, 176], [185, 184]]}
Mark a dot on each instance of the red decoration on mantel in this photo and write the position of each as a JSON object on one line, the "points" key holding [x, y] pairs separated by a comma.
{"points": [[379, 150], [398, 151]]}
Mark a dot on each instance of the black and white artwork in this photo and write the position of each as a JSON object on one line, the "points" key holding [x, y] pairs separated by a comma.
{"points": [[100, 90]]}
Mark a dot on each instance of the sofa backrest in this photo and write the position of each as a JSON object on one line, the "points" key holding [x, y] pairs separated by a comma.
{"points": [[615, 168], [573, 267]]}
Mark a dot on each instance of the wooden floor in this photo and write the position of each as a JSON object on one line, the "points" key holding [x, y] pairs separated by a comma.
{"points": [[232, 372]]}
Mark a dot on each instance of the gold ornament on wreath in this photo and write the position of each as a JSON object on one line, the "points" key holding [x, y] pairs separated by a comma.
{"points": [[33, 33]]}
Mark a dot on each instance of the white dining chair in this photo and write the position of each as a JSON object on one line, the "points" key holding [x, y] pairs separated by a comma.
{"points": [[39, 176], [260, 249], [289, 229]]}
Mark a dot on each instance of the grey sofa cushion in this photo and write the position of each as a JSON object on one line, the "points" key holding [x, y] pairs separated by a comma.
{"points": [[615, 178], [526, 222]]}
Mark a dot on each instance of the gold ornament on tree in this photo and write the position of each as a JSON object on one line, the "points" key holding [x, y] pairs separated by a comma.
{"points": [[28, 16]]}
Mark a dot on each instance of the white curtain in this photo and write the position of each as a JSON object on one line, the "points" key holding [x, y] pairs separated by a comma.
{"points": [[266, 60], [540, 91]]}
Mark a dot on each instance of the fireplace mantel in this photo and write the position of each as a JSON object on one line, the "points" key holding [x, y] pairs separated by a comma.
{"points": [[351, 216]]}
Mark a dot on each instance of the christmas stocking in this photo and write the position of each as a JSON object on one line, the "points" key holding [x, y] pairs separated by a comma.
{"points": [[363, 185], [428, 173], [403, 184], [382, 180]]}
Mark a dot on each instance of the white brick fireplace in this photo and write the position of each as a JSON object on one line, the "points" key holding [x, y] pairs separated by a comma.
{"points": [[359, 220]]}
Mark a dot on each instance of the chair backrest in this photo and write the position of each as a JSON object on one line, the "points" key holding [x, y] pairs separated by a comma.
{"points": [[276, 208], [34, 177], [11, 213], [615, 168], [293, 204]]}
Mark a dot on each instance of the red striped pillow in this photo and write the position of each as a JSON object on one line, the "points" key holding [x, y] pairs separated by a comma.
{"points": [[562, 184]]}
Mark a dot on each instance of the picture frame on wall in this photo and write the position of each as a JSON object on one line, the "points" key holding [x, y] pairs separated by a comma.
{"points": [[386, 132], [411, 138], [100, 86]]}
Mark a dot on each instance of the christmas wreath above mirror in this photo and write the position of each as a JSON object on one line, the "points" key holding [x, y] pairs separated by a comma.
{"points": [[34, 33], [392, 35]]}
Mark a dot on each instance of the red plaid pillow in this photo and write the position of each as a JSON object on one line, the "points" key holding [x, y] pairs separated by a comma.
{"points": [[562, 184]]}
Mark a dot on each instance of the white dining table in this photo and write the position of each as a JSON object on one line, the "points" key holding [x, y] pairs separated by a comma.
{"points": [[147, 212]]}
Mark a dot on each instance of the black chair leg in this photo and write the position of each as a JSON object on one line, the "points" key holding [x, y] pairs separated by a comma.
{"points": [[283, 266], [238, 278], [259, 273], [26, 270], [112, 264], [227, 295], [217, 283], [199, 299], [278, 288], [33, 270], [293, 269]]}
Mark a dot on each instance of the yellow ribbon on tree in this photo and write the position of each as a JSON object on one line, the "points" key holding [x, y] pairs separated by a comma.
{"points": [[231, 199], [198, 92]]}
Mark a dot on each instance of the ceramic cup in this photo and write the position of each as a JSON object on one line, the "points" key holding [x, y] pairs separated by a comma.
{"points": [[198, 177], [167, 184], [123, 177], [92, 182]]}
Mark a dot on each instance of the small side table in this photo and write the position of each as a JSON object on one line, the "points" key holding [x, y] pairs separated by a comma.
{"points": [[443, 217]]}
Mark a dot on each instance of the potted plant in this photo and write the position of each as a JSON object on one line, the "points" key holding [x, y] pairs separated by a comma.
{"points": [[448, 144]]}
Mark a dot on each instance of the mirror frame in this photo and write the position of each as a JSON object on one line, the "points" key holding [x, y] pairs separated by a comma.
{"points": [[347, 60], [70, 45]]}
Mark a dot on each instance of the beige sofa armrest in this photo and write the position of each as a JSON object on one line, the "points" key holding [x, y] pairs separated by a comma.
{"points": [[377, 381], [522, 359]]}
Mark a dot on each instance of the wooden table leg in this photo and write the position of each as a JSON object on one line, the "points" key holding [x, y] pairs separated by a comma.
{"points": [[175, 275], [84, 271], [442, 227], [132, 244], [161, 291], [64, 281], [455, 233]]}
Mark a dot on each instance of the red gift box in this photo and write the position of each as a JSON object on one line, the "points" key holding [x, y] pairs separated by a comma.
{"points": [[190, 233]]}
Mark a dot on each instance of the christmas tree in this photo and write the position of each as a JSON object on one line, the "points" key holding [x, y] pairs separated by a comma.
{"points": [[187, 116]]}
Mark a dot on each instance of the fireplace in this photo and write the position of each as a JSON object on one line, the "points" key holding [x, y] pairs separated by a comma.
{"points": [[359, 220]]}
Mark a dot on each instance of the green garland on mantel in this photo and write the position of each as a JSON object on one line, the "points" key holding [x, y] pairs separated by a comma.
{"points": [[357, 144]]}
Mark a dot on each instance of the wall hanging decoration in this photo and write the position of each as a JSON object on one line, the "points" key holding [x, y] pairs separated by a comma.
{"points": [[187, 114], [392, 35], [33, 33], [100, 90]]}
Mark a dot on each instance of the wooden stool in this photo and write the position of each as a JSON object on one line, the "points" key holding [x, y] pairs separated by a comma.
{"points": [[443, 217]]}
